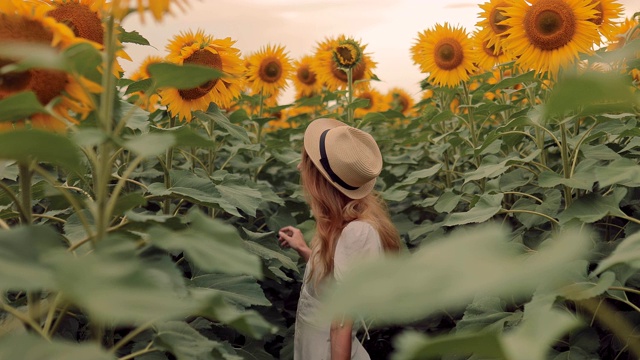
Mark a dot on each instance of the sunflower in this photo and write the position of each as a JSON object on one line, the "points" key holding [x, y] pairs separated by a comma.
{"points": [[487, 56], [547, 35], [628, 30], [84, 18], [400, 100], [268, 70], [377, 102], [445, 53], [148, 102], [305, 81], [329, 71], [205, 50], [492, 16], [608, 13], [28, 22], [158, 8]]}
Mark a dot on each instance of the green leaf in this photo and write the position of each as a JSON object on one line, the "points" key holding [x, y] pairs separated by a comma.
{"points": [[120, 289], [84, 59], [588, 288], [20, 106], [242, 289], [23, 254], [488, 170], [508, 82], [269, 254], [182, 77], [627, 252], [550, 206], [183, 341], [151, 144], [624, 172], [541, 327], [30, 55], [593, 207], [590, 93], [241, 196], [412, 345], [132, 37], [248, 322], [358, 103], [24, 145], [486, 314], [140, 85], [211, 244], [583, 178], [487, 206], [473, 261], [28, 346], [447, 202], [214, 114], [186, 136]]}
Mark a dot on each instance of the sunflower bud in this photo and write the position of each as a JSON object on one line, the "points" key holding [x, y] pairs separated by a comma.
{"points": [[347, 54]]}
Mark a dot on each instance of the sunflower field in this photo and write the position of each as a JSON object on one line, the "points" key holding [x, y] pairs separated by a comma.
{"points": [[139, 212]]}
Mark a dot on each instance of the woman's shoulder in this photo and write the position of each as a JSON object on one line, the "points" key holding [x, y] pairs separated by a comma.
{"points": [[360, 231]]}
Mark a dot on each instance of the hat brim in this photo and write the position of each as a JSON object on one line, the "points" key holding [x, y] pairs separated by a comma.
{"points": [[312, 147]]}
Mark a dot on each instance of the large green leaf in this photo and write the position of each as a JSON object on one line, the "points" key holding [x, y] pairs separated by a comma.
{"points": [[550, 206], [214, 114], [24, 145], [23, 254], [485, 208], [183, 341], [151, 144], [447, 202], [591, 93], [28, 346], [211, 244], [241, 196], [583, 178], [19, 106], [622, 171], [412, 345], [269, 254], [473, 261], [488, 169], [182, 77], [593, 207], [627, 252], [242, 289], [248, 322], [486, 314], [120, 288], [186, 136]]}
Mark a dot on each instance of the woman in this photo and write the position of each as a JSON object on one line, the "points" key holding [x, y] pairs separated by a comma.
{"points": [[339, 168]]}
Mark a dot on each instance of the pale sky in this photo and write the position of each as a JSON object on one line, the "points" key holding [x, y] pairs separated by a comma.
{"points": [[388, 28]]}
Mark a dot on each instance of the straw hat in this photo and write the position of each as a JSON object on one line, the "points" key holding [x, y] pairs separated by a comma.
{"points": [[348, 157]]}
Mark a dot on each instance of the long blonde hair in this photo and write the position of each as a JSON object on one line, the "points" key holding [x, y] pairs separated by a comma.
{"points": [[333, 210]]}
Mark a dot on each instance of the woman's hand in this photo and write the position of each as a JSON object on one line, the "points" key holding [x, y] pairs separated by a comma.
{"points": [[291, 237]]}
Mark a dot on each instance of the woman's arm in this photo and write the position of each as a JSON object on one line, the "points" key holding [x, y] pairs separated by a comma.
{"points": [[290, 236], [340, 337]]}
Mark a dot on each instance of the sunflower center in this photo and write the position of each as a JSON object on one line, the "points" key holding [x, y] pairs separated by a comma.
{"points": [[305, 75], [496, 17], [205, 58], [599, 10], [346, 55], [46, 84], [448, 54], [357, 72], [270, 70], [14, 81], [549, 24], [490, 50], [79, 18]]}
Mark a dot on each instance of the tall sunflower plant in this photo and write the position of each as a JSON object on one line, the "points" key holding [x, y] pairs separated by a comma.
{"points": [[116, 239]]}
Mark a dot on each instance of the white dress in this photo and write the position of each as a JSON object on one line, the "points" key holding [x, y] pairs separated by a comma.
{"points": [[311, 341]]}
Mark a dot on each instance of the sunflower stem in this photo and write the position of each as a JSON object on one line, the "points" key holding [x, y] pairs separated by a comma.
{"points": [[25, 174], [566, 166], [166, 209], [350, 109], [107, 99]]}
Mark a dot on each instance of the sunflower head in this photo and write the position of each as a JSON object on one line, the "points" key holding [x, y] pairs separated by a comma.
{"points": [[608, 14], [83, 17], [446, 53], [268, 70], [305, 79], [492, 22], [205, 50], [400, 100], [158, 8], [487, 56], [550, 34], [376, 102], [347, 54]]}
